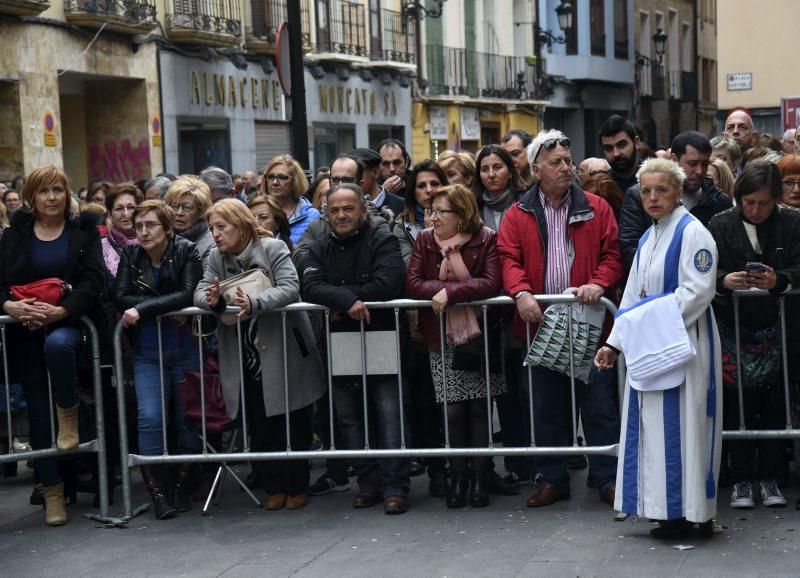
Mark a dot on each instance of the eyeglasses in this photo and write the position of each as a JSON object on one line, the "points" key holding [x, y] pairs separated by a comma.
{"points": [[185, 207], [441, 212], [790, 184], [282, 179], [550, 144], [343, 180], [122, 210], [146, 227]]}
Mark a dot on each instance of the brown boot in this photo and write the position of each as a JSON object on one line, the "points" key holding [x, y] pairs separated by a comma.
{"points": [[67, 427], [55, 505]]}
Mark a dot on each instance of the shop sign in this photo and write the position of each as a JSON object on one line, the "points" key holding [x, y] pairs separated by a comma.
{"points": [[344, 99], [740, 81], [437, 119], [212, 89], [470, 124]]}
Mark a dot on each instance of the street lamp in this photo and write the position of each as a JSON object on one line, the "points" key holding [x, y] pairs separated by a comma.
{"points": [[659, 43], [416, 10], [564, 14]]}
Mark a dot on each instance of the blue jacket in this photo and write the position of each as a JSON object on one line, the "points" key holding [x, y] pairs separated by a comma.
{"points": [[301, 218]]}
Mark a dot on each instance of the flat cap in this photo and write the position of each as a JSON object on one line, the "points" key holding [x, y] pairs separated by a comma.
{"points": [[369, 157]]}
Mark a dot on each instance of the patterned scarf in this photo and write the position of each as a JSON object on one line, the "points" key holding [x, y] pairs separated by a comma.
{"points": [[462, 323]]}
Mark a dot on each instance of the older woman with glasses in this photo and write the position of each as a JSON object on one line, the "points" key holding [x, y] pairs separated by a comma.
{"points": [[285, 182], [120, 202], [271, 218], [189, 198], [789, 166], [156, 277]]}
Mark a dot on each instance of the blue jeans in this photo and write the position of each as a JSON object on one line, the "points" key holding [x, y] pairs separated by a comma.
{"points": [[148, 397], [552, 409], [391, 476]]}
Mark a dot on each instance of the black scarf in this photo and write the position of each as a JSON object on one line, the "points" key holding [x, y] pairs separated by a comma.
{"points": [[498, 204]]}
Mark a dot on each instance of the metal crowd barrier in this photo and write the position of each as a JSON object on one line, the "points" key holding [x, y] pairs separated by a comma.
{"points": [[96, 446], [789, 432], [397, 306]]}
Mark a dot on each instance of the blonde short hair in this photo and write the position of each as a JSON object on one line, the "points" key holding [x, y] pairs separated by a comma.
{"points": [[238, 215], [670, 167], [462, 161], [192, 186], [299, 180]]}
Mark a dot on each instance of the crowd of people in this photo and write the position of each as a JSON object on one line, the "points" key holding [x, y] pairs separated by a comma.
{"points": [[670, 234]]}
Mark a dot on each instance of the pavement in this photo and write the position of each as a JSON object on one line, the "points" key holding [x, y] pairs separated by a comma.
{"points": [[578, 537]]}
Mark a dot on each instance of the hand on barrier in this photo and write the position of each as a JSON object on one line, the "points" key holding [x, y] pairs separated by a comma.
{"points": [[528, 309], [440, 301], [359, 312], [26, 312], [130, 317], [212, 293], [605, 358], [589, 293], [243, 303], [764, 279]]}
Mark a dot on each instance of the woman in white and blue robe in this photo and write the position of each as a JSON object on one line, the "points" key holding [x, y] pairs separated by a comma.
{"points": [[670, 441]]}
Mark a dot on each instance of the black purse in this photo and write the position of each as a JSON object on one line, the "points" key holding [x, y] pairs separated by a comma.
{"points": [[470, 356]]}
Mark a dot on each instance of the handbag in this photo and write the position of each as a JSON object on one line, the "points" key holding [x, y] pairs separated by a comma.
{"points": [[550, 346], [18, 402], [50, 290], [216, 413], [470, 356], [252, 282], [760, 353]]}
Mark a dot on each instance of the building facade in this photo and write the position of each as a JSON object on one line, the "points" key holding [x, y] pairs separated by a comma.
{"points": [[476, 79], [77, 91], [750, 75]]}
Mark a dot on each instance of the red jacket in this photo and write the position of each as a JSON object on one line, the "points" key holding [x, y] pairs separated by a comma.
{"points": [[422, 281], [593, 234]]}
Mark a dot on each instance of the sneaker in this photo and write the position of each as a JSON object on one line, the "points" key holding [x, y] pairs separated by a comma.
{"points": [[742, 495], [325, 484], [771, 494]]}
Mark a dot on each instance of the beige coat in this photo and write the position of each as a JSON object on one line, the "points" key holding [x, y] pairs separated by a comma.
{"points": [[306, 378]]}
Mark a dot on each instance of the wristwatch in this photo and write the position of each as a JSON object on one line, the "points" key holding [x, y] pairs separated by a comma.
{"points": [[521, 293]]}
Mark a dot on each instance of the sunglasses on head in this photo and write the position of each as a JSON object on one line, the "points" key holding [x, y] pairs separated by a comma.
{"points": [[550, 144]]}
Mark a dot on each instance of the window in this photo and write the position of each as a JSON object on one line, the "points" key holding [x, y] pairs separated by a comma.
{"points": [[571, 36], [597, 27], [621, 29]]}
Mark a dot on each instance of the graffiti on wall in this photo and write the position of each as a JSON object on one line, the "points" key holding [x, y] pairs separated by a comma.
{"points": [[120, 160]]}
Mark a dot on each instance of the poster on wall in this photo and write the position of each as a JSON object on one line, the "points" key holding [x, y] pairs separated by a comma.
{"points": [[470, 125], [437, 118]]}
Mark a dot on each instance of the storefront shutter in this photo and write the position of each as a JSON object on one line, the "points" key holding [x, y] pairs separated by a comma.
{"points": [[272, 139]]}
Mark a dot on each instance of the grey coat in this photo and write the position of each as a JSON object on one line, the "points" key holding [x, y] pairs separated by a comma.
{"points": [[306, 382]]}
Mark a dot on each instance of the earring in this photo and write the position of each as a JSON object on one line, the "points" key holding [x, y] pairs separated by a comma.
{"points": [[459, 225]]}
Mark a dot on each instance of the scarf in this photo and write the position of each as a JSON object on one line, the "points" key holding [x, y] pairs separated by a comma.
{"points": [[120, 239], [498, 204], [461, 323], [194, 232]]}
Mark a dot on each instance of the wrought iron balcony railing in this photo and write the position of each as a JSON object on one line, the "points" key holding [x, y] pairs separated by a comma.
{"points": [[652, 83], [205, 21], [126, 16], [464, 72], [342, 31], [23, 7], [392, 39], [267, 16]]}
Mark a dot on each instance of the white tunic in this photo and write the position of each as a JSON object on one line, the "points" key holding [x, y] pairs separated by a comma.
{"points": [[670, 443]]}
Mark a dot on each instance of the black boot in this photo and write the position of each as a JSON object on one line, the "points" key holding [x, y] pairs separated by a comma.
{"points": [[479, 492], [183, 484], [153, 477], [457, 496], [437, 487], [671, 529]]}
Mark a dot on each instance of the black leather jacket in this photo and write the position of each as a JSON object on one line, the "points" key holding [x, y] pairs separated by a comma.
{"points": [[135, 285]]}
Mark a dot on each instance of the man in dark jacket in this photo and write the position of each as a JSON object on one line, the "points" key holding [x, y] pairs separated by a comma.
{"points": [[759, 248], [692, 151], [620, 147], [353, 265]]}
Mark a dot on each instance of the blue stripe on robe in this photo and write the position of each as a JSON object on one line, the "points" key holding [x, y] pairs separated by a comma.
{"points": [[630, 475]]}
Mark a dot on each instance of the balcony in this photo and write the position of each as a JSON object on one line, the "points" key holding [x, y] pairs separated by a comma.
{"points": [[216, 23], [652, 83], [464, 72], [123, 16], [23, 7], [393, 43], [267, 16], [342, 34]]}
